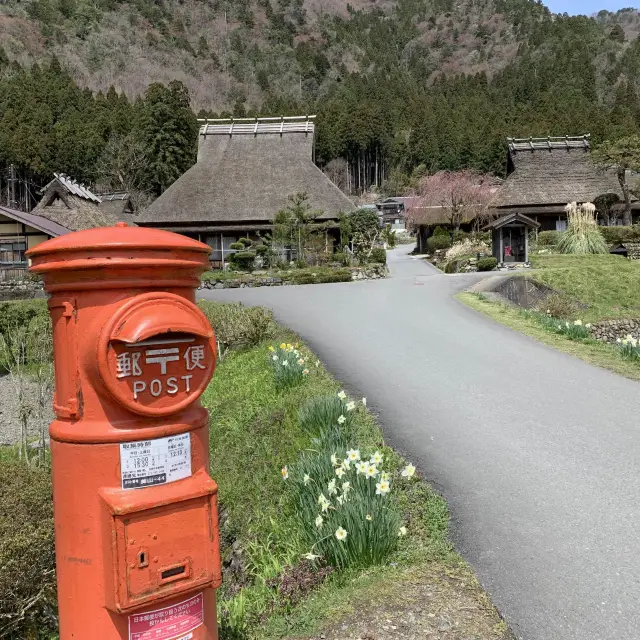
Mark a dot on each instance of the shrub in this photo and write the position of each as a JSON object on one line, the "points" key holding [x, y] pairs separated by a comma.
{"points": [[548, 238], [25, 332], [583, 234], [460, 236], [379, 255], [236, 325], [236, 246], [438, 242], [243, 260], [245, 242], [615, 235], [441, 231], [324, 412], [487, 264], [558, 306], [288, 365], [468, 247], [27, 578], [345, 508]]}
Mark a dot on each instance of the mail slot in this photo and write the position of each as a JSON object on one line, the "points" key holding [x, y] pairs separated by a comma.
{"points": [[136, 512]]}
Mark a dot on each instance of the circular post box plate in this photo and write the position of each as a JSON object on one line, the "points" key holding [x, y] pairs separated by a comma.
{"points": [[157, 354]]}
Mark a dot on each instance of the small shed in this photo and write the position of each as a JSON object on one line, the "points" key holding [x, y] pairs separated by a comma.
{"points": [[510, 237]]}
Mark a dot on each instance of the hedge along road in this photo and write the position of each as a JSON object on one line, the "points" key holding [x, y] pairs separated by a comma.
{"points": [[537, 453]]}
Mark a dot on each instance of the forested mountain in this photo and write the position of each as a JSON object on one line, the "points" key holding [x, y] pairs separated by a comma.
{"points": [[399, 86]]}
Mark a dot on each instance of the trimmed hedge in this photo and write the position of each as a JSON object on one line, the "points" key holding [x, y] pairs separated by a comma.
{"points": [[379, 255], [548, 238], [487, 264], [615, 235], [438, 242]]}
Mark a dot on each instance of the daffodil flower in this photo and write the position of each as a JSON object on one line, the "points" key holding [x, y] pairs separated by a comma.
{"points": [[341, 420], [321, 498], [319, 521], [351, 406], [274, 358], [283, 346], [305, 372], [310, 556], [271, 348], [317, 363], [346, 486], [301, 361], [340, 499], [285, 473], [382, 488], [361, 467], [384, 476], [340, 534], [353, 455], [364, 402], [331, 487], [402, 531], [342, 395], [306, 479], [368, 517], [377, 458], [408, 471], [285, 363], [334, 460], [578, 323], [346, 465], [324, 507], [371, 471], [339, 472]]}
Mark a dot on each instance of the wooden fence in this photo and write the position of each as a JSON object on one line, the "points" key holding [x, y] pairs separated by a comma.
{"points": [[11, 274]]}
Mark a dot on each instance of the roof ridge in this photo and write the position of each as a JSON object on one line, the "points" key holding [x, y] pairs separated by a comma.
{"points": [[550, 142], [255, 126], [76, 188]]}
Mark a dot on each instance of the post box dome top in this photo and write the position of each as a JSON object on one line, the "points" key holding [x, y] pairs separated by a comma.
{"points": [[119, 237]]}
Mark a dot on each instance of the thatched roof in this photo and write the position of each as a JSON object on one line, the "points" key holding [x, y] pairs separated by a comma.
{"points": [[72, 205], [117, 203], [245, 172], [552, 171]]}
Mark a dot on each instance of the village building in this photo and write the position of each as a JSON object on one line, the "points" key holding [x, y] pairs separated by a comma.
{"points": [[246, 171], [546, 174]]}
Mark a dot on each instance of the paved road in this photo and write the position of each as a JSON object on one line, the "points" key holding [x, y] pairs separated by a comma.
{"points": [[537, 453]]}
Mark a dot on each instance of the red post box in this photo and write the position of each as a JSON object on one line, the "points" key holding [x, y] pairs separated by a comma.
{"points": [[137, 547]]}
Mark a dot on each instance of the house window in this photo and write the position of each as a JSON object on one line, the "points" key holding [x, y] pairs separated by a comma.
{"points": [[12, 252], [561, 225], [221, 247]]}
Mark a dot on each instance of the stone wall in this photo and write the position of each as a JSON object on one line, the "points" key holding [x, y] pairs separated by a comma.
{"points": [[611, 330], [21, 289]]}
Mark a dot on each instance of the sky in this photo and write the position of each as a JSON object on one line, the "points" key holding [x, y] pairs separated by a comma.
{"points": [[588, 7]]}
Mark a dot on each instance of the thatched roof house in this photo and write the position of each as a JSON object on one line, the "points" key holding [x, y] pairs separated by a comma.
{"points": [[73, 206], [246, 170], [117, 203], [545, 174]]}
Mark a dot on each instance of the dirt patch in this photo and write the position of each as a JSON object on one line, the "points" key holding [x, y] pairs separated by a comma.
{"points": [[437, 601]]}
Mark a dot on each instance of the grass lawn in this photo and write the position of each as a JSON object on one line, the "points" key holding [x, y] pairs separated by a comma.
{"points": [[591, 351], [255, 432], [609, 285]]}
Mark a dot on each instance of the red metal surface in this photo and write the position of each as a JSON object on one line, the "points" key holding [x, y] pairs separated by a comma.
{"points": [[137, 546]]}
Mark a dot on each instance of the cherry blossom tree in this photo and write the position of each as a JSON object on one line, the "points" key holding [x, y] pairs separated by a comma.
{"points": [[459, 195]]}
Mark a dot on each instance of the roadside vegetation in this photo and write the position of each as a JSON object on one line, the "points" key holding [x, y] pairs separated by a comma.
{"points": [[319, 518]]}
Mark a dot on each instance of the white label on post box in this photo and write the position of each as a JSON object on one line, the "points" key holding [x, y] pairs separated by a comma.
{"points": [[152, 462]]}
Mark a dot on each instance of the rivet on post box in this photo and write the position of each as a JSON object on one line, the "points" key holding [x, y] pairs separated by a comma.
{"points": [[136, 522]]}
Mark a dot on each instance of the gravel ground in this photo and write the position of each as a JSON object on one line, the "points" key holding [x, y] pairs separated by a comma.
{"points": [[9, 420]]}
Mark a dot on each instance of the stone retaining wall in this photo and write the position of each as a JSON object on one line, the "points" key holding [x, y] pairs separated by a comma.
{"points": [[611, 330], [368, 272], [21, 289]]}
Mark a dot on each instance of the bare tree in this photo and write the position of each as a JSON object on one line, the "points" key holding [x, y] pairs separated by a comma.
{"points": [[459, 195], [123, 166], [337, 171]]}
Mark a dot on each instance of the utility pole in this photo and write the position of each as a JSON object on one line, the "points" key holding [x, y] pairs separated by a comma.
{"points": [[12, 187]]}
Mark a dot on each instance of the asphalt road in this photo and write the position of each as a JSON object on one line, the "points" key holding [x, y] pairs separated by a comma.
{"points": [[537, 453]]}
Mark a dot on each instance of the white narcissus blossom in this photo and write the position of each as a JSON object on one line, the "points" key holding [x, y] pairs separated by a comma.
{"points": [[321, 498], [306, 479], [340, 499], [301, 361], [339, 472], [319, 521], [305, 372], [371, 471], [578, 323], [346, 465], [364, 402], [334, 460], [285, 363], [285, 473], [342, 395], [353, 455], [368, 517], [346, 486], [377, 458], [384, 476], [361, 467], [382, 488], [341, 420], [310, 556], [331, 487], [274, 358], [408, 471], [351, 406], [340, 534], [402, 531]]}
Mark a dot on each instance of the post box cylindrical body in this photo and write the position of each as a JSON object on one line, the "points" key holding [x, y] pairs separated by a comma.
{"points": [[136, 524]]}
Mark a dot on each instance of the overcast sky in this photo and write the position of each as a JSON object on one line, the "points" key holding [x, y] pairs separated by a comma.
{"points": [[588, 7]]}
